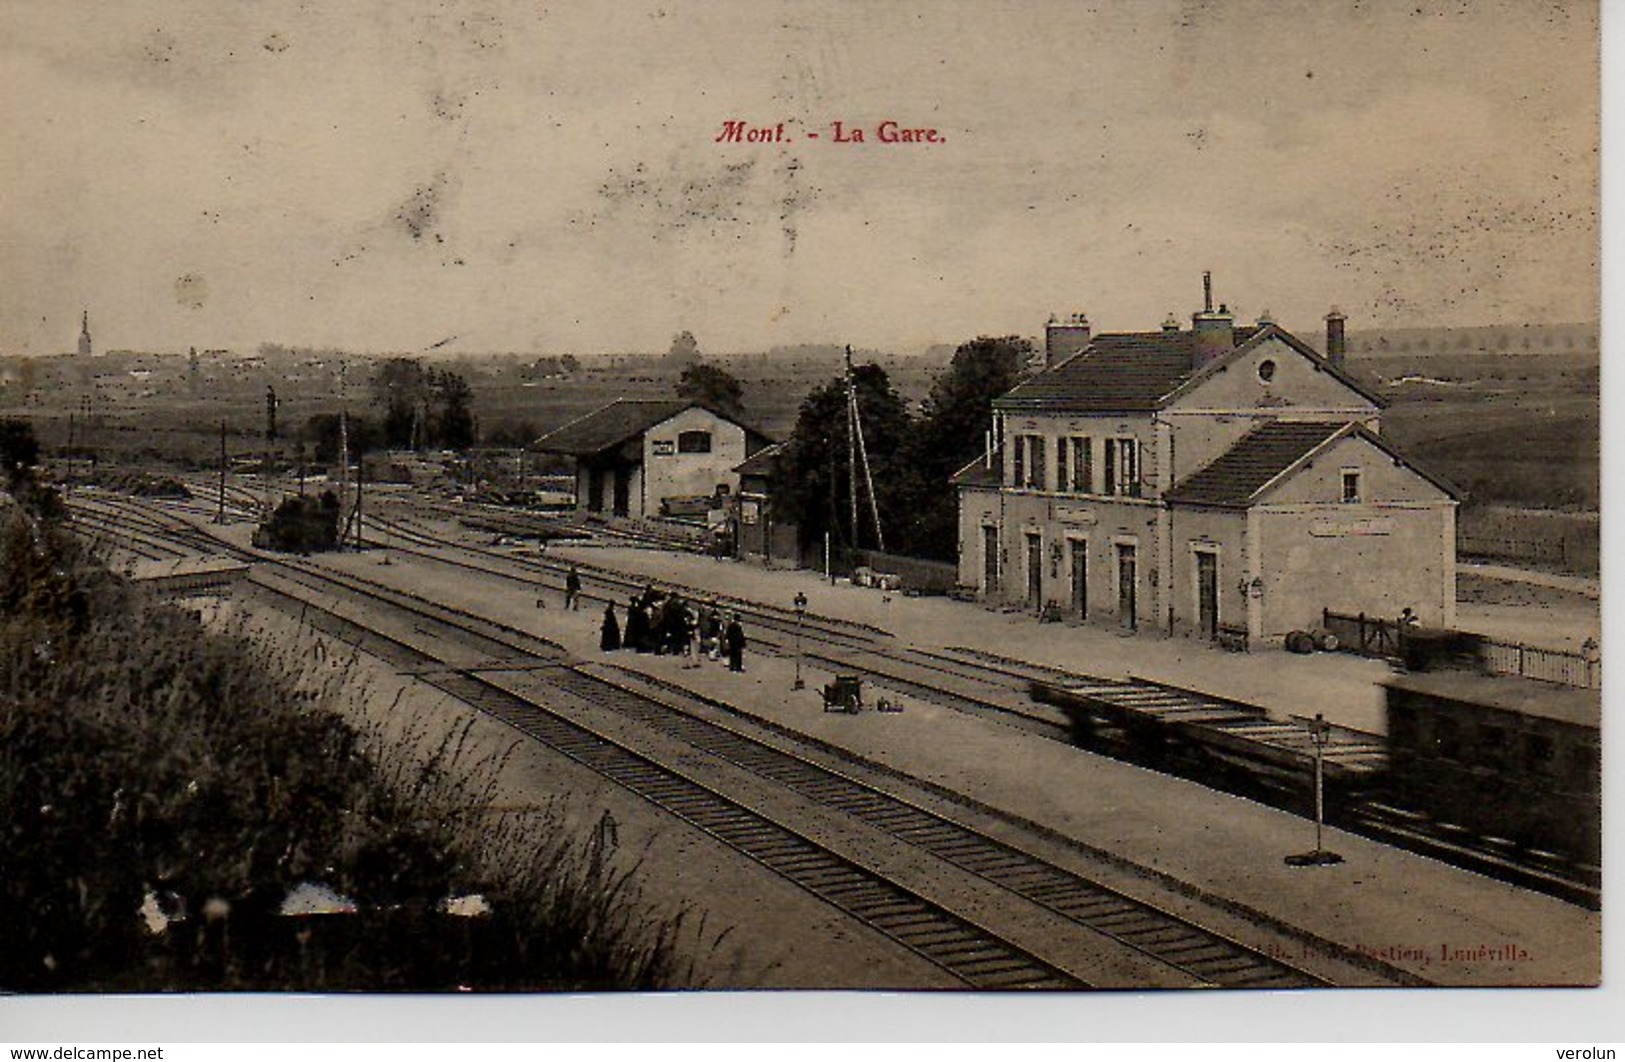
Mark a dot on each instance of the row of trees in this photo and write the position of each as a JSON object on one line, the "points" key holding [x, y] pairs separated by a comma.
{"points": [[911, 457]]}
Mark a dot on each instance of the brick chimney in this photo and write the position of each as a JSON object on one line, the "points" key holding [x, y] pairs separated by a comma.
{"points": [[1336, 345], [1062, 339], [1213, 330]]}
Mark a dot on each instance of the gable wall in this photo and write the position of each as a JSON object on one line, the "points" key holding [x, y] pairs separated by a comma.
{"points": [[1381, 479], [672, 474]]}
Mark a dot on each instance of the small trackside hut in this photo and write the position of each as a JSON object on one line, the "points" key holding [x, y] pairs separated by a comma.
{"points": [[1219, 482], [638, 458]]}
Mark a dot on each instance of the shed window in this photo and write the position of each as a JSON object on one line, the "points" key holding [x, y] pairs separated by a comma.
{"points": [[694, 442]]}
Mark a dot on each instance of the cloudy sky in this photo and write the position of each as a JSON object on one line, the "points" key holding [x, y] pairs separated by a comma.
{"points": [[531, 176]]}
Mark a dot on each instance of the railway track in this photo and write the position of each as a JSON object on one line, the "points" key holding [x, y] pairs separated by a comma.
{"points": [[1205, 957], [970, 952], [973, 681]]}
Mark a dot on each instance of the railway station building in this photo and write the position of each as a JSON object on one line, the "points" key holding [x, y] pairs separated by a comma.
{"points": [[1219, 481], [640, 458]]}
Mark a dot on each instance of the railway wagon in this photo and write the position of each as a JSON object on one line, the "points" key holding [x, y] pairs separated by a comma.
{"points": [[1231, 744], [1509, 759]]}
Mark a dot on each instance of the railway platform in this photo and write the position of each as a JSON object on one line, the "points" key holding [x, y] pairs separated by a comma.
{"points": [[1435, 922]]}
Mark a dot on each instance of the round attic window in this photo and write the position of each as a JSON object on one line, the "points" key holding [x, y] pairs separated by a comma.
{"points": [[1266, 370]]}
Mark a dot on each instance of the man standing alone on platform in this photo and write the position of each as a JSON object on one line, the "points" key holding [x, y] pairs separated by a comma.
{"points": [[733, 639], [572, 589]]}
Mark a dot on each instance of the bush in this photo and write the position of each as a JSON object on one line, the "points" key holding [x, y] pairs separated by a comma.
{"points": [[301, 524], [150, 765]]}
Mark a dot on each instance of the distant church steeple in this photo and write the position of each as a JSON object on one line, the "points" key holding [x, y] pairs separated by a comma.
{"points": [[84, 335]]}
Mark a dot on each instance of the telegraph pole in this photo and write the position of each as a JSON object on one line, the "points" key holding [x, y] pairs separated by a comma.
{"points": [[852, 445], [220, 514]]}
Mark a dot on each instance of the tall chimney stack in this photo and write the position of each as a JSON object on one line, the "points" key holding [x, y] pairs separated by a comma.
{"points": [[1063, 339], [1213, 331], [1336, 345]]}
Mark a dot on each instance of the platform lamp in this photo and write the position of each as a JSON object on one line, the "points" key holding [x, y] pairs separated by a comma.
{"points": [[801, 613], [1320, 732]]}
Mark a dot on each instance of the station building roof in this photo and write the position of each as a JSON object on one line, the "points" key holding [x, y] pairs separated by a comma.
{"points": [[1143, 371], [1261, 457]]}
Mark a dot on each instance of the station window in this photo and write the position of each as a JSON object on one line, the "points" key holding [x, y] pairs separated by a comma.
{"points": [[1351, 485], [1036, 467], [1266, 370], [1123, 467], [694, 442], [1083, 465]]}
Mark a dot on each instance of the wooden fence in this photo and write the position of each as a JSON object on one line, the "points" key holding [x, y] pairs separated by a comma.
{"points": [[1392, 640]]}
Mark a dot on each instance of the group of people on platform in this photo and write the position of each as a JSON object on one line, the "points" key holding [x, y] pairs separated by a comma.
{"points": [[668, 625]]}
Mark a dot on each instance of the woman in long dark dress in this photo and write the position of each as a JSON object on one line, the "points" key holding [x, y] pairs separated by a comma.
{"points": [[637, 627], [609, 638]]}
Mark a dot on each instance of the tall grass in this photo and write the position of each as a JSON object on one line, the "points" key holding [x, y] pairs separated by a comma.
{"points": [[147, 762]]}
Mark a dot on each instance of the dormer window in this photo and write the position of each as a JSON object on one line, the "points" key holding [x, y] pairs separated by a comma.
{"points": [[1351, 485]]}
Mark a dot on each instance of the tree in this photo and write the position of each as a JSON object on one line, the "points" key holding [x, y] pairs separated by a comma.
{"points": [[685, 349], [19, 449], [454, 422], [400, 389], [953, 420], [322, 432], [712, 386], [815, 466]]}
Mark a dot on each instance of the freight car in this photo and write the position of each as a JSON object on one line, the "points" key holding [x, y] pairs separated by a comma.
{"points": [[1497, 774], [1515, 762]]}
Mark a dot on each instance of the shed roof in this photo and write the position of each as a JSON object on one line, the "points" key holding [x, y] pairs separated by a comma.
{"points": [[623, 419], [763, 463], [981, 472]]}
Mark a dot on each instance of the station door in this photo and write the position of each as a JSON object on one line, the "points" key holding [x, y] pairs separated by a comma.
{"points": [[1207, 594], [1035, 570], [1080, 578], [1127, 580]]}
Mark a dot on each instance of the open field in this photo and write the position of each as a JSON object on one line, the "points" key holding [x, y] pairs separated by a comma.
{"points": [[1514, 430]]}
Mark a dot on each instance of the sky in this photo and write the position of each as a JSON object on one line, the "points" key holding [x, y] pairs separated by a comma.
{"points": [[545, 177]]}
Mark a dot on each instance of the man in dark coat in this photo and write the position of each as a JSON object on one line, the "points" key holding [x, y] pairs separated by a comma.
{"points": [[733, 639], [609, 638], [572, 589]]}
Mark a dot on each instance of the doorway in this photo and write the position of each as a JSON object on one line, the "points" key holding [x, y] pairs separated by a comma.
{"points": [[595, 489], [1127, 578], [1035, 570], [990, 561], [623, 491], [1080, 578], [1207, 594]]}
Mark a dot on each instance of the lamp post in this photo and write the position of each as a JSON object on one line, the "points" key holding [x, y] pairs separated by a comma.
{"points": [[1320, 733], [801, 612]]}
